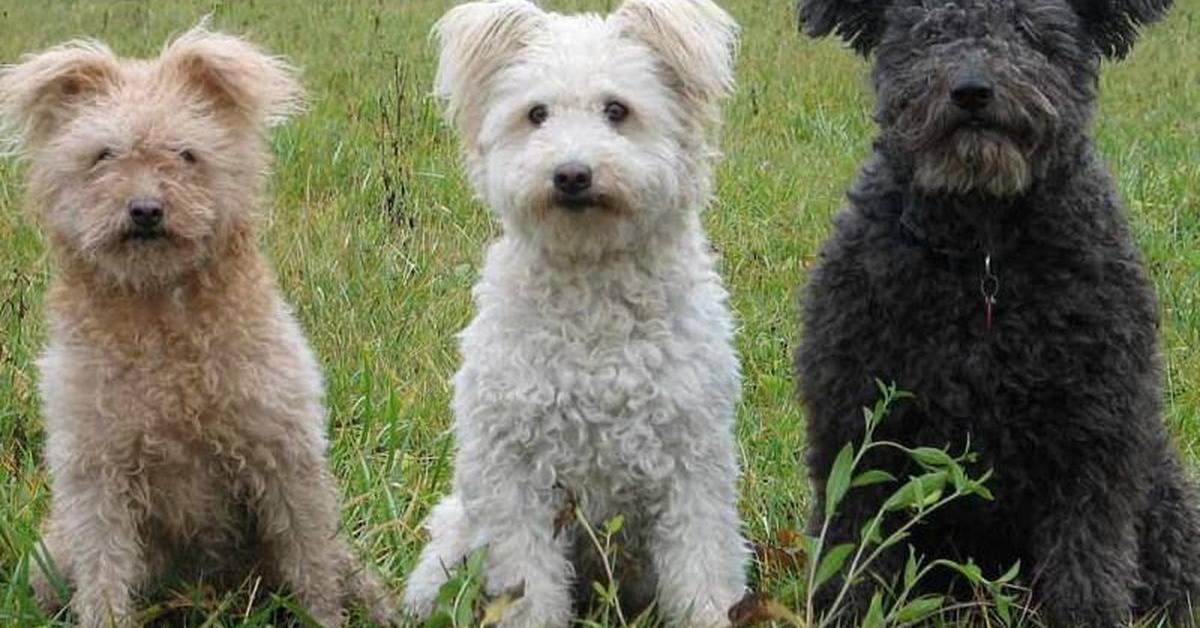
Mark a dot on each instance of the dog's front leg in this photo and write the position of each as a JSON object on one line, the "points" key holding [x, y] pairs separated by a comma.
{"points": [[1087, 559], [698, 550], [525, 556], [93, 520], [297, 517], [52, 553]]}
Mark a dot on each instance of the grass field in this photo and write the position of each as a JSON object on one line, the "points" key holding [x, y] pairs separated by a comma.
{"points": [[377, 242]]}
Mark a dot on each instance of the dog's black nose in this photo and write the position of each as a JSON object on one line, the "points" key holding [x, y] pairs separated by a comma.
{"points": [[145, 213], [573, 178], [971, 93]]}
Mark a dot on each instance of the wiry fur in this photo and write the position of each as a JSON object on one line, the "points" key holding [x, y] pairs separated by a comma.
{"points": [[599, 368], [1061, 395], [183, 407]]}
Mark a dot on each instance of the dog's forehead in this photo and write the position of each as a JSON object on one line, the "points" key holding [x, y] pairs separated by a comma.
{"points": [[137, 113], [586, 42], [963, 17], [583, 55]]}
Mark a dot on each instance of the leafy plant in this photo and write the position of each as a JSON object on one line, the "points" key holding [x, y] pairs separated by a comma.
{"points": [[459, 601], [607, 593], [943, 478]]}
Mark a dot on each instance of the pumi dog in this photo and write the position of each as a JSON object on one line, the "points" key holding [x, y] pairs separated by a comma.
{"points": [[183, 407], [599, 371], [985, 264]]}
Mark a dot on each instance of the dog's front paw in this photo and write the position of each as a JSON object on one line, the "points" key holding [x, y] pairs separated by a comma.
{"points": [[328, 617], [710, 612], [381, 611], [526, 613], [45, 593]]}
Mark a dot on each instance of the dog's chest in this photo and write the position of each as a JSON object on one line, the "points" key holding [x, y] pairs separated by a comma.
{"points": [[166, 416], [1010, 333], [603, 383], [616, 405], [166, 384], [173, 396]]}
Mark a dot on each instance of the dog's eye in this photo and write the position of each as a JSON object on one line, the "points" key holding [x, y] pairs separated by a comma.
{"points": [[538, 114], [187, 156], [616, 112], [104, 155]]}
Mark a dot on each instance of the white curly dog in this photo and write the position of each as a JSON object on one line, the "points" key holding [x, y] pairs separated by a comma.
{"points": [[599, 371]]}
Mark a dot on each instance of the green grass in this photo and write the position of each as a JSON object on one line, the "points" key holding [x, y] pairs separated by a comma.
{"points": [[377, 242]]}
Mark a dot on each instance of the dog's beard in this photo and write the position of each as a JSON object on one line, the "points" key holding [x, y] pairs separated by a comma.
{"points": [[546, 204], [579, 230], [992, 152], [141, 261], [974, 161]]}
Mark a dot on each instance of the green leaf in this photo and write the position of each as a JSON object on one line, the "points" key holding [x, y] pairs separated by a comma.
{"points": [[839, 479], [918, 492], [972, 572], [879, 411], [475, 562], [614, 525], [871, 532], [910, 569], [932, 457], [1002, 609], [959, 479], [809, 545], [464, 613], [919, 608], [982, 491], [831, 563], [874, 617], [969, 570], [1010, 574], [872, 476]]}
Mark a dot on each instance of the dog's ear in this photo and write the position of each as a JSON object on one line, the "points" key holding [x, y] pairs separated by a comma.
{"points": [[696, 39], [238, 78], [476, 39], [859, 23], [43, 91], [1113, 24]]}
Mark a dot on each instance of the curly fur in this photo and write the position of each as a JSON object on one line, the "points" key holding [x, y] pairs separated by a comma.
{"points": [[1061, 395], [1109, 27], [599, 369], [183, 407]]}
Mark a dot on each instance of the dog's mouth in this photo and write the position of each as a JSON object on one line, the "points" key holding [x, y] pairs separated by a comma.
{"points": [[140, 235], [988, 129], [981, 125], [579, 203]]}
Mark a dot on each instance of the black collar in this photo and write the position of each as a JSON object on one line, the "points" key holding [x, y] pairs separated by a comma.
{"points": [[961, 226]]}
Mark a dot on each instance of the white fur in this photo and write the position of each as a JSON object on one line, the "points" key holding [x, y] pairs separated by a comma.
{"points": [[600, 360]]}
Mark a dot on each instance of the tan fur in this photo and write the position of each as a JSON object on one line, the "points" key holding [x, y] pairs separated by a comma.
{"points": [[184, 416]]}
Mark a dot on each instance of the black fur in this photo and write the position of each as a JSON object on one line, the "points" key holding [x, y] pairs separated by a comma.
{"points": [[1061, 395], [1112, 24], [858, 22]]}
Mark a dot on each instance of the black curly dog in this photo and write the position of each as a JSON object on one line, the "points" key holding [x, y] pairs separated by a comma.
{"points": [[984, 263]]}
